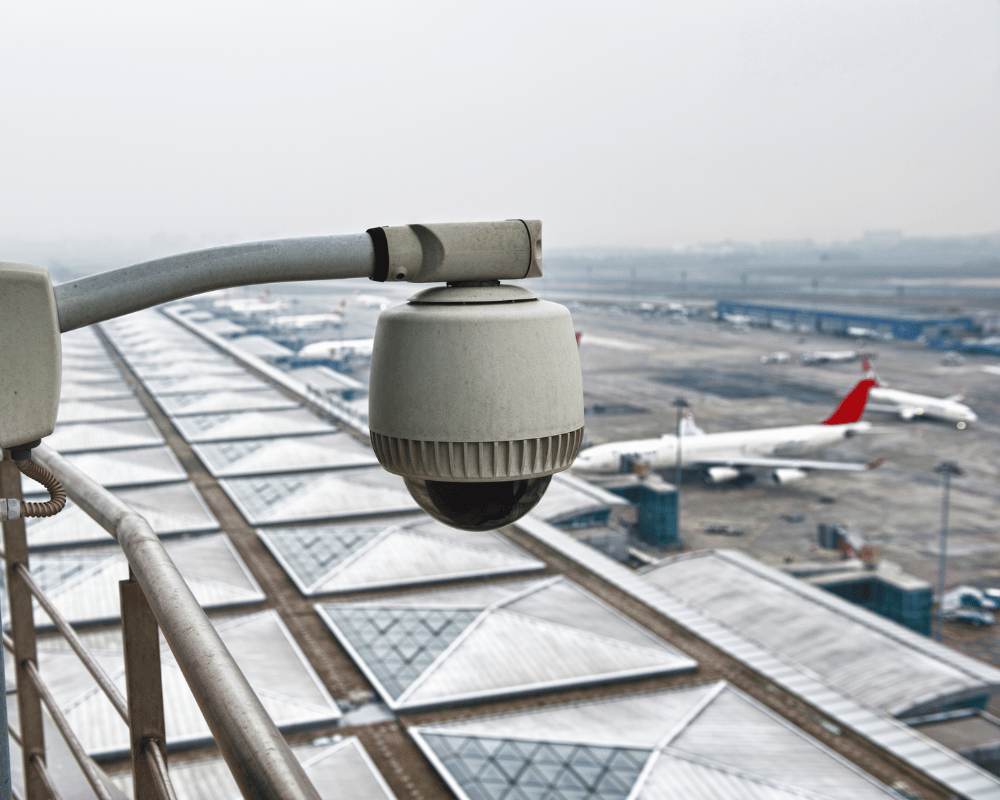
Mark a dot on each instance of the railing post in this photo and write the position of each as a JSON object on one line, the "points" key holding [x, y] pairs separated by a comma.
{"points": [[22, 628], [144, 685]]}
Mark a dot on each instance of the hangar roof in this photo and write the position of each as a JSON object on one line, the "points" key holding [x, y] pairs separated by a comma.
{"points": [[869, 657], [222, 400]]}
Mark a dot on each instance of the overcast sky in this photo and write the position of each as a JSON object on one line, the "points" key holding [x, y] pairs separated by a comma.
{"points": [[653, 123]]}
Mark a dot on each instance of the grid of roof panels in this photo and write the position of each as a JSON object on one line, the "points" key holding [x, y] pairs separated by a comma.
{"points": [[286, 684], [342, 769], [83, 584], [707, 741], [181, 384], [449, 646], [305, 496], [398, 552]]}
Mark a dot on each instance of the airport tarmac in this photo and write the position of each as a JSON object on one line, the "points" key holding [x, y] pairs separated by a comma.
{"points": [[634, 367]]}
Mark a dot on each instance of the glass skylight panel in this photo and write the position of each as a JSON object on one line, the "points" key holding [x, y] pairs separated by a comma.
{"points": [[73, 390], [286, 684], [707, 740], [172, 508], [108, 410], [86, 436], [303, 496], [83, 584], [250, 425], [398, 552], [288, 454], [492, 650], [181, 384], [132, 467], [211, 402]]}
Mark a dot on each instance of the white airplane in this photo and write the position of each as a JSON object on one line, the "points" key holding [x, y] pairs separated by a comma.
{"points": [[337, 349], [836, 356], [308, 321], [731, 456], [909, 405]]}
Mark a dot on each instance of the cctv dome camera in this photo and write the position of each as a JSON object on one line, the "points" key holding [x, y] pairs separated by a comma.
{"points": [[476, 400]]}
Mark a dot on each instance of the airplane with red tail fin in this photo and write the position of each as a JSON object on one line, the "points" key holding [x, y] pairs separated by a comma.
{"points": [[735, 456]]}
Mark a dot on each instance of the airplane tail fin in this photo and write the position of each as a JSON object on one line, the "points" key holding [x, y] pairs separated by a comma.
{"points": [[852, 407]]}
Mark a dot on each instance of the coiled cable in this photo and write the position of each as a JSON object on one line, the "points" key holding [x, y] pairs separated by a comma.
{"points": [[57, 494]]}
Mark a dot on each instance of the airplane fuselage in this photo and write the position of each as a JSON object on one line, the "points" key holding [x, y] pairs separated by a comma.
{"points": [[661, 453], [909, 405]]}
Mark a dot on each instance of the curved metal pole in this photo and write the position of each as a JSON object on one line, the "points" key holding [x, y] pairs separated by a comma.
{"points": [[111, 294], [255, 751]]}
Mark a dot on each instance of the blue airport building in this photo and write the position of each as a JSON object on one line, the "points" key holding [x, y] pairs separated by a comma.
{"points": [[849, 320]]}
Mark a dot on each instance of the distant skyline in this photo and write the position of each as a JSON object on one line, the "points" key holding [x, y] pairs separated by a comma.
{"points": [[657, 124]]}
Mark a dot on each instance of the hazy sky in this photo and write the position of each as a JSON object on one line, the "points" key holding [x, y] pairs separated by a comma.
{"points": [[653, 123]]}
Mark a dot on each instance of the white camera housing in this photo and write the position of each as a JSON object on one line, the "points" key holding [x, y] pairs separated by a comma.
{"points": [[476, 400], [31, 367]]}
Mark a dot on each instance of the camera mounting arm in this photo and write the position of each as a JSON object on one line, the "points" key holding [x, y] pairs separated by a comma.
{"points": [[463, 251]]}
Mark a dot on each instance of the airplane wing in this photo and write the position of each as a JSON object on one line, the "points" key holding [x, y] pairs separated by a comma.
{"points": [[904, 411], [792, 463]]}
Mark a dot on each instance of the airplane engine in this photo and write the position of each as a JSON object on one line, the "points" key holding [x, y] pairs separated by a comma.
{"points": [[909, 413], [714, 475], [788, 475]]}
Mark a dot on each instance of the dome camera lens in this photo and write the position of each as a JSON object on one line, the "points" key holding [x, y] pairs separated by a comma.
{"points": [[479, 506]]}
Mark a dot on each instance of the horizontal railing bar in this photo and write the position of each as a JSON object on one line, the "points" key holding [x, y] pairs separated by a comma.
{"points": [[85, 762], [255, 751], [161, 778], [43, 773], [96, 670]]}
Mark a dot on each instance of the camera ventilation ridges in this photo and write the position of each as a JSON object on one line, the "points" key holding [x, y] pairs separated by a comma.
{"points": [[477, 461]]}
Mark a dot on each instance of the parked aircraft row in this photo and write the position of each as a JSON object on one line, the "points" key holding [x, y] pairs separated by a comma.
{"points": [[734, 456]]}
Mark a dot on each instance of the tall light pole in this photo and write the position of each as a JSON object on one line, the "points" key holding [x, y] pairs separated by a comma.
{"points": [[946, 469], [680, 403]]}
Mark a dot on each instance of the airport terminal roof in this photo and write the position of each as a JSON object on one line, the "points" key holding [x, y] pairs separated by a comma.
{"points": [[445, 647], [703, 741], [496, 638], [262, 347], [400, 551], [130, 467], [867, 656]]}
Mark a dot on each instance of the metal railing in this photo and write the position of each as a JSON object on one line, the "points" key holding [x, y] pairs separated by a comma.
{"points": [[154, 598]]}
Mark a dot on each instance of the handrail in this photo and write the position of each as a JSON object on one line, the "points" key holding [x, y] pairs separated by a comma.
{"points": [[93, 667], [255, 751]]}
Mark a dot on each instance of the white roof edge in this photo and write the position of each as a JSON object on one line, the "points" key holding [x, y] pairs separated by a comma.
{"points": [[932, 758]]}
